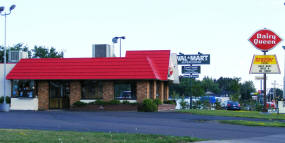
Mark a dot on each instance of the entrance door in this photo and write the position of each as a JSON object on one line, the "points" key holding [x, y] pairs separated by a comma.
{"points": [[59, 94]]}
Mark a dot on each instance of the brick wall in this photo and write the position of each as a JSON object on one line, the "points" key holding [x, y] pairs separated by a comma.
{"points": [[75, 92], [142, 90], [43, 95], [108, 90]]}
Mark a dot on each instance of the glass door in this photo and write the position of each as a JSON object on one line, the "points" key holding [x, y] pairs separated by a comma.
{"points": [[59, 94]]}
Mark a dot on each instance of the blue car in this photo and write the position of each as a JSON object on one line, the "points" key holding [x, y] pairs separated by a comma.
{"points": [[233, 105]]}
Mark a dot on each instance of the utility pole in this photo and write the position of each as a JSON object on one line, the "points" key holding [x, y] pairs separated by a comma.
{"points": [[274, 89]]}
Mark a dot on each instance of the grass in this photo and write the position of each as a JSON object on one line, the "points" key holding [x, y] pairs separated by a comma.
{"points": [[247, 114], [253, 123], [39, 136]]}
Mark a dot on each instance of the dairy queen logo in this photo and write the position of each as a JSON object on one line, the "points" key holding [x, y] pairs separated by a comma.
{"points": [[264, 39]]}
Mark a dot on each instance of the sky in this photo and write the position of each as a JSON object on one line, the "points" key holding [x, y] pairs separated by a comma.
{"points": [[220, 28]]}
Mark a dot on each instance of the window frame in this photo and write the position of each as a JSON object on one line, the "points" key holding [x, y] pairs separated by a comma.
{"points": [[98, 86], [33, 89], [132, 86]]}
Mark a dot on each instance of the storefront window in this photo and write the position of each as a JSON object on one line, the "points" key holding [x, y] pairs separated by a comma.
{"points": [[125, 90], [23, 88], [91, 90]]}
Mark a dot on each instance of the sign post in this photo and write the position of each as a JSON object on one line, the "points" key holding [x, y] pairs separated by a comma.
{"points": [[190, 60], [264, 40]]}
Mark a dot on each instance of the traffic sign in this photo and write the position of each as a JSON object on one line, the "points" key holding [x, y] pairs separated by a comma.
{"points": [[264, 64], [193, 59], [264, 39], [191, 69], [191, 76]]}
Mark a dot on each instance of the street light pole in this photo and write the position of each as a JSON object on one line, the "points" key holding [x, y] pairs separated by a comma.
{"points": [[115, 40], [284, 75], [4, 56]]}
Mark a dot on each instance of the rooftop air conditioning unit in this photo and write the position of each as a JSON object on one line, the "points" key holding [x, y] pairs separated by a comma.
{"points": [[102, 50], [16, 56]]}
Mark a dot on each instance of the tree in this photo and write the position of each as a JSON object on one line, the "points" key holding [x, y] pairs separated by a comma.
{"points": [[209, 84], [279, 94], [229, 86], [17, 47], [246, 89], [42, 52], [37, 52]]}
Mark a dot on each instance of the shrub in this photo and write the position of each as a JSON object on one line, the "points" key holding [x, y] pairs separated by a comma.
{"points": [[157, 101], [206, 104], [218, 106], [147, 106], [99, 102], [8, 99], [126, 102], [79, 104], [183, 104], [170, 102], [114, 102], [259, 107]]}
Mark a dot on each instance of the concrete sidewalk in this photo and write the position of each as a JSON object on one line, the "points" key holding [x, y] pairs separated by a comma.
{"points": [[280, 138]]}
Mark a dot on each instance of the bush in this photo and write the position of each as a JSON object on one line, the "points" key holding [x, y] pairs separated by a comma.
{"points": [[79, 104], [218, 106], [206, 104], [183, 104], [258, 107], [126, 102], [170, 102], [8, 100], [114, 102], [157, 101], [99, 102], [147, 106]]}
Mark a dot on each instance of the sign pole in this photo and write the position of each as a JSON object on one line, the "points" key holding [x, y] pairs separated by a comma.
{"points": [[265, 40], [190, 104], [264, 88]]}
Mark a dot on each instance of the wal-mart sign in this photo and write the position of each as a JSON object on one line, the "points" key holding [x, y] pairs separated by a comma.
{"points": [[193, 59]]}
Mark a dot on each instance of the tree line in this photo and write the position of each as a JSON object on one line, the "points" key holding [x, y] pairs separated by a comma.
{"points": [[232, 87], [36, 52]]}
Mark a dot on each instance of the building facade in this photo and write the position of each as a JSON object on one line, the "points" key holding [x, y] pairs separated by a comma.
{"points": [[57, 83]]}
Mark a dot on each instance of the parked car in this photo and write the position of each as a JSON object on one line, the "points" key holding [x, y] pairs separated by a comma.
{"points": [[270, 105], [233, 105]]}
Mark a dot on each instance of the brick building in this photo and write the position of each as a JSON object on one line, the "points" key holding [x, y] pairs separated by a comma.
{"points": [[56, 83]]}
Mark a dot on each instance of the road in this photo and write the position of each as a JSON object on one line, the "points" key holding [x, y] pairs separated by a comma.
{"points": [[165, 123]]}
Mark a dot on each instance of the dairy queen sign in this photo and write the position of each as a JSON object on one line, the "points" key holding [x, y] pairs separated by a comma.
{"points": [[264, 40]]}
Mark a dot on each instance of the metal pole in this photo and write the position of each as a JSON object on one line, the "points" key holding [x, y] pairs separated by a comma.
{"points": [[190, 96], [120, 47], [264, 87], [284, 76], [4, 80]]}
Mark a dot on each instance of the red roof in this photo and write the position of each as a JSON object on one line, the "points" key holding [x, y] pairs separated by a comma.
{"points": [[136, 65]]}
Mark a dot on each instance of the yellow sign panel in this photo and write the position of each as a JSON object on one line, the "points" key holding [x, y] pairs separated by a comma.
{"points": [[264, 59], [264, 64]]}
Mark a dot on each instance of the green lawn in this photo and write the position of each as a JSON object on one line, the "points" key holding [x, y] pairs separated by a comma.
{"points": [[253, 123], [248, 114], [39, 136]]}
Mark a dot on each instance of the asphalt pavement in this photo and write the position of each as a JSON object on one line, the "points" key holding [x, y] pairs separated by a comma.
{"points": [[164, 123]]}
